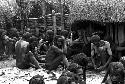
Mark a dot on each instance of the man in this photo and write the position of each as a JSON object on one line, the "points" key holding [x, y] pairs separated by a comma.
{"points": [[56, 54], [115, 72], [2, 43], [100, 51], [25, 58], [49, 37], [77, 46], [73, 75], [65, 33], [45, 43], [9, 46]]}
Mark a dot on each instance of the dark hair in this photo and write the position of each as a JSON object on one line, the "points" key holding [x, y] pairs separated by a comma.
{"points": [[37, 79], [57, 37], [26, 36], [73, 67], [95, 38], [80, 59], [64, 33]]}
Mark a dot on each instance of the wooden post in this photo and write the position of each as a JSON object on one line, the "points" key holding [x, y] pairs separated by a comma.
{"points": [[44, 12], [62, 14], [54, 22]]}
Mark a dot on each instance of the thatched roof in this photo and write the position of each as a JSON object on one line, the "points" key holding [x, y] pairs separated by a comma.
{"points": [[99, 10]]}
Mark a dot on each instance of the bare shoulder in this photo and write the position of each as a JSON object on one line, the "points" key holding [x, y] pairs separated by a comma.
{"points": [[106, 43]]}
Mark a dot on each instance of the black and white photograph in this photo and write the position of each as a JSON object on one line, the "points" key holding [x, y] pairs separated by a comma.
{"points": [[62, 41]]}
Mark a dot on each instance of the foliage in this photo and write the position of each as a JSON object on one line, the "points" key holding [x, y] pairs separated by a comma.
{"points": [[8, 8]]}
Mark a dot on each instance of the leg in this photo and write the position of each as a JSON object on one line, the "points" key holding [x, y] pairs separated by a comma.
{"points": [[57, 61], [32, 60]]}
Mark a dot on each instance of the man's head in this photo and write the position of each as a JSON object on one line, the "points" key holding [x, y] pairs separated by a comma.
{"points": [[122, 60], [37, 79], [59, 41], [95, 39], [81, 33], [64, 33], [75, 68], [26, 36], [49, 33]]}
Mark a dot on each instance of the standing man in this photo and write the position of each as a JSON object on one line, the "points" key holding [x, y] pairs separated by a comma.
{"points": [[101, 50]]}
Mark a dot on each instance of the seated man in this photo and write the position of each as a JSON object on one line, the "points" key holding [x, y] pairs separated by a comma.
{"points": [[56, 54], [101, 53], [116, 73], [45, 43], [24, 58], [9, 43]]}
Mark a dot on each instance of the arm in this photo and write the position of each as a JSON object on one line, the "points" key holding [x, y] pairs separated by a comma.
{"points": [[33, 59], [56, 49], [65, 48], [106, 75], [110, 54], [92, 54]]}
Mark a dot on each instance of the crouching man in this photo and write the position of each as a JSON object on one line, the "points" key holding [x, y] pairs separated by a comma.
{"points": [[101, 53], [24, 57]]}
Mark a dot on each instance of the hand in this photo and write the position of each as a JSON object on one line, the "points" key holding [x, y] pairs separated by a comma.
{"points": [[95, 67], [101, 68], [103, 82]]}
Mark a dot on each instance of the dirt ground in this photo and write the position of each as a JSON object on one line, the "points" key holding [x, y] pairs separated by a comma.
{"points": [[9, 74]]}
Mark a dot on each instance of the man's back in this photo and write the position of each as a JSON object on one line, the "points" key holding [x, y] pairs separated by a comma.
{"points": [[52, 53], [20, 50]]}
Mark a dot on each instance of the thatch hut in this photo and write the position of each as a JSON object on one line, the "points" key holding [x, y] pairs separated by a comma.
{"points": [[110, 14]]}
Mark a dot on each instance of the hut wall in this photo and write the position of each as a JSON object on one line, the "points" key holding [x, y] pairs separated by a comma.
{"points": [[121, 34], [116, 34]]}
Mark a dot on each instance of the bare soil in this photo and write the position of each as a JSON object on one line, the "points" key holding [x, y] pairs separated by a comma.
{"points": [[10, 74]]}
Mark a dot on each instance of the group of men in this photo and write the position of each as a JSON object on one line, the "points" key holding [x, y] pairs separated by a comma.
{"points": [[73, 55]]}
